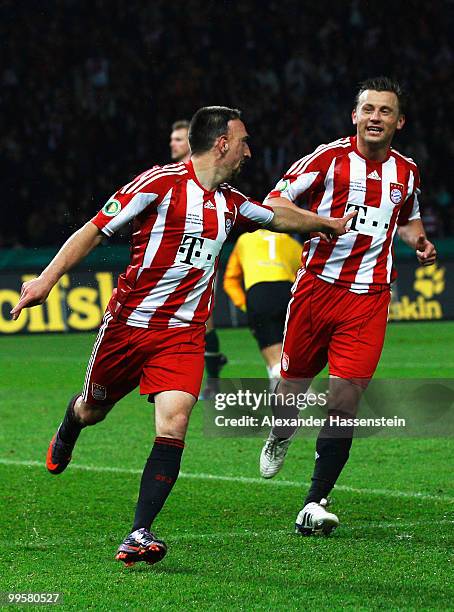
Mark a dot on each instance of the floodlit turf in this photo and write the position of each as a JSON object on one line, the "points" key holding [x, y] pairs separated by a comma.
{"points": [[230, 541]]}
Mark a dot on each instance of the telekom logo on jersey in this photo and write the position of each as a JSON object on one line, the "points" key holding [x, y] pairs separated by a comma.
{"points": [[370, 220], [198, 252]]}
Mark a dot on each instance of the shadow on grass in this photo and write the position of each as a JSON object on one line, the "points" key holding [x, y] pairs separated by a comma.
{"points": [[167, 570]]}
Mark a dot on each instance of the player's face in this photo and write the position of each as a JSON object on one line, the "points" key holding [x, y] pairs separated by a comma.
{"points": [[377, 117], [179, 144], [238, 151]]}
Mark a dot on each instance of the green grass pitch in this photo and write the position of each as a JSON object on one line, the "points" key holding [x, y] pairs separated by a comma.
{"points": [[231, 545]]}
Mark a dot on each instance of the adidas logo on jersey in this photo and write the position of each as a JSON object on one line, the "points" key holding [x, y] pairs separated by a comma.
{"points": [[374, 176], [209, 205]]}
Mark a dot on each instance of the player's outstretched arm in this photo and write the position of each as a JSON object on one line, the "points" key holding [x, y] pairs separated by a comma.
{"points": [[289, 218], [77, 247], [413, 234]]}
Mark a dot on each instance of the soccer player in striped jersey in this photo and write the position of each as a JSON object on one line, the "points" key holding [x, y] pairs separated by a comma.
{"points": [[180, 151], [339, 307], [152, 334]]}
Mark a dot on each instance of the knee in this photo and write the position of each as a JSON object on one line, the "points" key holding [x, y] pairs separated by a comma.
{"points": [[342, 408], [292, 387], [173, 425], [344, 399], [89, 414]]}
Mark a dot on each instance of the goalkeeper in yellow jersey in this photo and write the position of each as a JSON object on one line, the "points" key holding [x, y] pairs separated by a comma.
{"points": [[258, 278]]}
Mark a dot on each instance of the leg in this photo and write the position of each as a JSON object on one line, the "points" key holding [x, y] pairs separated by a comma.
{"points": [[284, 407], [177, 365], [332, 451], [279, 439], [354, 352], [173, 409], [334, 441], [272, 356], [80, 414], [214, 360], [90, 414], [112, 373], [304, 354], [266, 308]]}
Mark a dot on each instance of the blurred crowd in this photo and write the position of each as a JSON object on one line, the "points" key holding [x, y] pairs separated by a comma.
{"points": [[89, 91]]}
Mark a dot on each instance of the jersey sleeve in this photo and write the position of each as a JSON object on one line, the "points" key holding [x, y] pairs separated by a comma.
{"points": [[303, 176], [145, 191], [410, 209], [252, 215]]}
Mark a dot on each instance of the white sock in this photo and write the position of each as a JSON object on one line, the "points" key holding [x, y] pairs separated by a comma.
{"points": [[274, 371]]}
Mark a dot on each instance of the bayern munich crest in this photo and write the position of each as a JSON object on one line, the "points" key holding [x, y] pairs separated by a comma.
{"points": [[396, 192], [228, 224], [285, 362]]}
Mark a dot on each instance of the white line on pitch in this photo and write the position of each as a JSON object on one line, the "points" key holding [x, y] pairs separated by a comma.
{"points": [[290, 532], [240, 479], [223, 535], [389, 366]]}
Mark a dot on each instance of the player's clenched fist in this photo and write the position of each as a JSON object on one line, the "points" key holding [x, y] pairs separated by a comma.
{"points": [[33, 293], [425, 251]]}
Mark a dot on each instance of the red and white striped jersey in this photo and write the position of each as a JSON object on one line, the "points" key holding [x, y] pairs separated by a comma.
{"points": [[178, 232], [338, 179]]}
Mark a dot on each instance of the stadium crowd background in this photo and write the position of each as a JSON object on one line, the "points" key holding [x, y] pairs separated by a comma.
{"points": [[89, 91]]}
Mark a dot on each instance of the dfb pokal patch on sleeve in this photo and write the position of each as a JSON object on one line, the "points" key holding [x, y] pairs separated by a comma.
{"points": [[283, 184], [98, 392], [112, 208]]}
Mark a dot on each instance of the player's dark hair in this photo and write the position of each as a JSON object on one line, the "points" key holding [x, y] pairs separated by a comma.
{"points": [[207, 124], [181, 124], [383, 83]]}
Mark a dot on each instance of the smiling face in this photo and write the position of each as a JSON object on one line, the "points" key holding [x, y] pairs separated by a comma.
{"points": [[377, 117]]}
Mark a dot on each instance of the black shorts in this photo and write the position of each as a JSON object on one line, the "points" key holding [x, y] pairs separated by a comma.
{"points": [[266, 311]]}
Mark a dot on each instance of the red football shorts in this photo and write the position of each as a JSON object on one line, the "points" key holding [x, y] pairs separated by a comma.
{"points": [[329, 324], [126, 357]]}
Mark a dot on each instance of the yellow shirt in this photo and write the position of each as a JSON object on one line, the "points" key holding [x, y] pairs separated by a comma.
{"points": [[258, 257]]}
